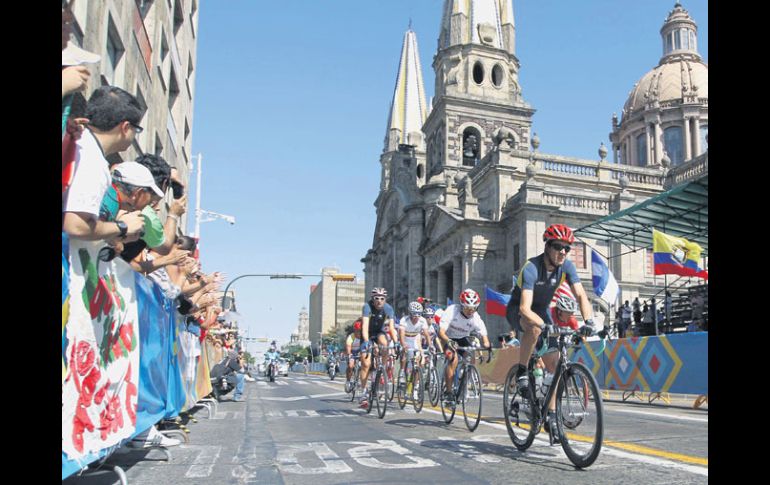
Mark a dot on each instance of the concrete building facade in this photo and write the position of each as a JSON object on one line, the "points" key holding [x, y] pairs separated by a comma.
{"points": [[333, 304], [148, 48], [464, 202]]}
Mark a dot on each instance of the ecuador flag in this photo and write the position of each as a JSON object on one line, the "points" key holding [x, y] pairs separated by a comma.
{"points": [[676, 255]]}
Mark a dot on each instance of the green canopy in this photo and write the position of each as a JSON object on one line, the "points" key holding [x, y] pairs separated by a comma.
{"points": [[682, 211]]}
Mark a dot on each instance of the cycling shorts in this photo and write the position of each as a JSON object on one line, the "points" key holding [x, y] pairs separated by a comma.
{"points": [[462, 342]]}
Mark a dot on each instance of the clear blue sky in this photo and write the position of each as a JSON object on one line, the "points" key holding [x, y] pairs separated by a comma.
{"points": [[292, 101]]}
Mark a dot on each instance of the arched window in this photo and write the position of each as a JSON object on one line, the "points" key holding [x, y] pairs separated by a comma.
{"points": [[478, 72], [641, 150], [471, 146], [672, 142]]}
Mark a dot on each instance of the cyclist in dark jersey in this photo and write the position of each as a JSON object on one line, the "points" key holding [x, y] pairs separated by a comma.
{"points": [[377, 321], [527, 310]]}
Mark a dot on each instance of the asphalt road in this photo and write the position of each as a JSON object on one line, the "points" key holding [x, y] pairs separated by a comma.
{"points": [[304, 430]]}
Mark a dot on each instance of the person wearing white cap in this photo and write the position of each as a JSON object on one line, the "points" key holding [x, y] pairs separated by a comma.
{"points": [[135, 184]]}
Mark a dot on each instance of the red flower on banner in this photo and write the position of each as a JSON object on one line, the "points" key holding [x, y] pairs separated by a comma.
{"points": [[99, 396], [84, 357], [126, 335], [89, 386], [110, 419], [131, 392], [101, 300], [80, 423]]}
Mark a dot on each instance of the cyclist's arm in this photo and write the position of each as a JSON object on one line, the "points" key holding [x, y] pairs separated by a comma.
{"points": [[525, 307], [426, 336], [392, 328], [365, 329], [402, 336]]}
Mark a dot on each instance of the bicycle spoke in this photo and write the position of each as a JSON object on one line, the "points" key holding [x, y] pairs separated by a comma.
{"points": [[580, 415]]}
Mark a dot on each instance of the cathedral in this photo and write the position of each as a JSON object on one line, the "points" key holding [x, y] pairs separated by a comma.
{"points": [[465, 194]]}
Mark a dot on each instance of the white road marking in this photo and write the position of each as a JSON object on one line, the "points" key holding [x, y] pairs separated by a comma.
{"points": [[204, 462], [662, 415], [289, 463], [364, 455]]}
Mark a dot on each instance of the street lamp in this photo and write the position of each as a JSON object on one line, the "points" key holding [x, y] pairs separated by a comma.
{"points": [[278, 276]]}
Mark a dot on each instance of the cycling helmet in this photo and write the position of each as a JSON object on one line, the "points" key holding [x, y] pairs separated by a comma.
{"points": [[428, 312], [469, 298], [566, 304], [377, 291], [415, 308], [357, 325], [558, 232]]}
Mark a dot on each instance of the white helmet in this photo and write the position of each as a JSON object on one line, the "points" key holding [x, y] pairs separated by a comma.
{"points": [[415, 308], [566, 304], [469, 298]]}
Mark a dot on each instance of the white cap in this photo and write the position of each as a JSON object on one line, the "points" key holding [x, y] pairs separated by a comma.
{"points": [[75, 56], [136, 174]]}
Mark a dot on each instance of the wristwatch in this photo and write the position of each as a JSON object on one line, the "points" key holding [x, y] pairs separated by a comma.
{"points": [[123, 228]]}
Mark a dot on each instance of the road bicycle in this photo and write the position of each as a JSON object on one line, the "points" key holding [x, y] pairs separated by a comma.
{"points": [[354, 383], [579, 407], [378, 378], [466, 389], [433, 382], [390, 365], [411, 383]]}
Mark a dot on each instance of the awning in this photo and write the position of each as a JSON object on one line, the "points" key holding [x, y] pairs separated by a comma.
{"points": [[682, 211]]}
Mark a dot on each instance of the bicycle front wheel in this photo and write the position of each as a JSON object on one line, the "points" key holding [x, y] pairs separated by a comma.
{"points": [[382, 391], [519, 412], [471, 396], [390, 375], [418, 390], [434, 386], [580, 414], [401, 389]]}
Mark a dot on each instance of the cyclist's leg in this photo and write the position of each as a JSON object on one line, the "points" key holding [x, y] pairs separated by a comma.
{"points": [[366, 362], [449, 371], [529, 334]]}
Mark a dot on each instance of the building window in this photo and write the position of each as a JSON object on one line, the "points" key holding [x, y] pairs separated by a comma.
{"points": [[672, 142], [692, 41], [471, 146], [677, 40], [641, 150], [178, 16], [516, 258], [497, 75], [144, 6], [158, 146], [577, 255], [478, 72], [668, 45], [704, 133], [113, 55]]}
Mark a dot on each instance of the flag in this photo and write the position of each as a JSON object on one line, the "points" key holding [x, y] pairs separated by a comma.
{"points": [[676, 255], [496, 302], [605, 285], [449, 301]]}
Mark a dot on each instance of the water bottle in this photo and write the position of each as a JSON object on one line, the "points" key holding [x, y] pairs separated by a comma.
{"points": [[538, 373], [547, 382]]}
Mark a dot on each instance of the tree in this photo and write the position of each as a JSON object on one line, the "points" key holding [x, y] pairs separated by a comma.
{"points": [[248, 357]]}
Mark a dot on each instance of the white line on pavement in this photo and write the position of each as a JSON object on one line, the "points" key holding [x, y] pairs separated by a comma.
{"points": [[662, 415]]}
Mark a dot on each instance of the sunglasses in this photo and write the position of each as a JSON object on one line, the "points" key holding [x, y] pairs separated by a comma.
{"points": [[138, 129], [415, 314], [558, 247], [379, 298]]}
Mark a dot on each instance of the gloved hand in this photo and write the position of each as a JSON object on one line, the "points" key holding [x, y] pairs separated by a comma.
{"points": [[604, 333], [451, 345], [586, 330], [365, 346], [398, 349]]}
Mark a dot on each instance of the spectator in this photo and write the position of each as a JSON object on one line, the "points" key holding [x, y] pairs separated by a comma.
{"points": [[625, 319], [697, 304], [637, 312], [114, 115]]}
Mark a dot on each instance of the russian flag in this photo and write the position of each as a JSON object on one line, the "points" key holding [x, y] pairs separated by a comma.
{"points": [[496, 302]]}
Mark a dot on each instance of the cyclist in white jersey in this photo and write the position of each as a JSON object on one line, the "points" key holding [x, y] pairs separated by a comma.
{"points": [[458, 322], [412, 330]]}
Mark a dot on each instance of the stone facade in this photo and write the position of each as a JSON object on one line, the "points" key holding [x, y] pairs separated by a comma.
{"points": [[148, 48], [302, 335], [478, 209]]}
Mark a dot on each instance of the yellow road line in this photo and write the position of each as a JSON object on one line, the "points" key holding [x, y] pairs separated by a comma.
{"points": [[642, 450]]}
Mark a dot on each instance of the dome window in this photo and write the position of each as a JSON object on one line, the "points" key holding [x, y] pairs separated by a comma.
{"points": [[672, 143], [641, 150], [478, 72]]}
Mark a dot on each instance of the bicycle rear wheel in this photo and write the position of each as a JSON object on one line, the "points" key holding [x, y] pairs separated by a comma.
{"points": [[372, 389], [434, 386], [418, 389], [579, 403], [401, 389], [471, 396], [382, 390], [519, 412], [390, 368]]}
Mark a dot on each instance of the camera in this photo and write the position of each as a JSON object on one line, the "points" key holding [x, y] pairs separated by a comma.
{"points": [[178, 189]]}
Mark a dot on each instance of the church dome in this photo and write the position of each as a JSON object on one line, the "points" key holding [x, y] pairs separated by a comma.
{"points": [[669, 84]]}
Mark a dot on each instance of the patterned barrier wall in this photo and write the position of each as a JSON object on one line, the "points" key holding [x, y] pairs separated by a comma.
{"points": [[666, 363]]}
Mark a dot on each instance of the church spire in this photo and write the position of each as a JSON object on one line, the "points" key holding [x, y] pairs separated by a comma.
{"points": [[484, 22], [408, 109]]}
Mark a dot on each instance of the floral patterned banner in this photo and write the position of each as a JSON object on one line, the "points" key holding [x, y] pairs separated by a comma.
{"points": [[99, 392]]}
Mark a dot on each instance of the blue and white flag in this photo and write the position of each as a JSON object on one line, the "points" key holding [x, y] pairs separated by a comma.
{"points": [[605, 285]]}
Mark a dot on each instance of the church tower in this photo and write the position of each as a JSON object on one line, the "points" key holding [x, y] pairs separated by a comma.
{"points": [[477, 89]]}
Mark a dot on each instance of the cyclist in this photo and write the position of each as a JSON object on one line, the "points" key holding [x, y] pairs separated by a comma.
{"points": [[376, 321], [433, 341], [412, 330], [458, 322], [527, 310], [353, 347]]}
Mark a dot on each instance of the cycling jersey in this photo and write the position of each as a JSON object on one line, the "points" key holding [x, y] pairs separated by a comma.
{"points": [[457, 325], [271, 355], [534, 276], [433, 334], [354, 342], [377, 318], [413, 332], [571, 321]]}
